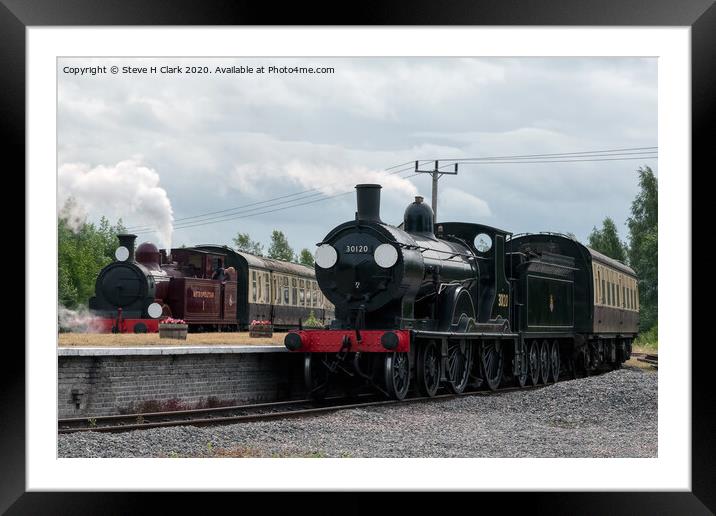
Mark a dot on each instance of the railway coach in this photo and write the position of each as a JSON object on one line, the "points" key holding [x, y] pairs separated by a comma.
{"points": [[282, 292]]}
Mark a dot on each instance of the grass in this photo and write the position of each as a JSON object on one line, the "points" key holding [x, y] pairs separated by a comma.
{"points": [[648, 341], [152, 339]]}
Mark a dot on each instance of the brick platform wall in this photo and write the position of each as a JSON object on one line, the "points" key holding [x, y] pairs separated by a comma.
{"points": [[106, 384]]}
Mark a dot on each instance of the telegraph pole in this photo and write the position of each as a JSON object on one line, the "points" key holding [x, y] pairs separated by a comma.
{"points": [[436, 175]]}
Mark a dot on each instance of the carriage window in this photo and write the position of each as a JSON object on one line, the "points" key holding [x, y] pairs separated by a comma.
{"points": [[268, 288], [302, 296], [604, 290], [623, 297], [274, 294], [616, 288], [315, 298], [285, 296], [253, 285], [259, 295]]}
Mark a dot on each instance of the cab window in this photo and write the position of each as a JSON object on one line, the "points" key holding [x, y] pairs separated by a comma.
{"points": [[253, 286]]}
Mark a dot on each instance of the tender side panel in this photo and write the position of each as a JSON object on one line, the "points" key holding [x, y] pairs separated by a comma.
{"points": [[550, 303]]}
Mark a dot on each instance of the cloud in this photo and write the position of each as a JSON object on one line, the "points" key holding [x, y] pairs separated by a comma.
{"points": [[457, 205], [126, 188], [222, 141]]}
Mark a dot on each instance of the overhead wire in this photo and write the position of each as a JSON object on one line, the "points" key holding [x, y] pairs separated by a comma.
{"points": [[291, 200]]}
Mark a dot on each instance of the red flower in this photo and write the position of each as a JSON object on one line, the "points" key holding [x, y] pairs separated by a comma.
{"points": [[170, 320]]}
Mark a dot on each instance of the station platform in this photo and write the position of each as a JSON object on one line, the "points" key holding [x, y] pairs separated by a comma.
{"points": [[102, 380]]}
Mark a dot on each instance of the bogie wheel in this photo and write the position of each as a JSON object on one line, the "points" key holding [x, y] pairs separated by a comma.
{"points": [[491, 356], [523, 365], [315, 376], [534, 363], [397, 375], [428, 368], [554, 361], [544, 363], [459, 363]]}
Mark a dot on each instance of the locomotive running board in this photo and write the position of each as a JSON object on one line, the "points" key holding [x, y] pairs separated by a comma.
{"points": [[463, 335]]}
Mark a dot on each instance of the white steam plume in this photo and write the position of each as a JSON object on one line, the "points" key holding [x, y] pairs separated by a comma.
{"points": [[78, 321], [127, 190], [329, 179]]}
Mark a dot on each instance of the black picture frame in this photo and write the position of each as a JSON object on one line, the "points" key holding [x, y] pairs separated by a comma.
{"points": [[700, 15]]}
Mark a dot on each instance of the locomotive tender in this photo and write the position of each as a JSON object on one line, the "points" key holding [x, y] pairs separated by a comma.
{"points": [[461, 305], [134, 293]]}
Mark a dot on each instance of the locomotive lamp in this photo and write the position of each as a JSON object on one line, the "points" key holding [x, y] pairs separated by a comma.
{"points": [[326, 256], [121, 254], [385, 256]]}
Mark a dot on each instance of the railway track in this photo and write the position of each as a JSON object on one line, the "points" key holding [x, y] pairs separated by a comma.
{"points": [[648, 358], [242, 413]]}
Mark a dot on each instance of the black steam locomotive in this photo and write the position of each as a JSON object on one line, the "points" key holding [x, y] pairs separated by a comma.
{"points": [[461, 305]]}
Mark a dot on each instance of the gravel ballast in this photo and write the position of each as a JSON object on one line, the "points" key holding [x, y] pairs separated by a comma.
{"points": [[610, 415]]}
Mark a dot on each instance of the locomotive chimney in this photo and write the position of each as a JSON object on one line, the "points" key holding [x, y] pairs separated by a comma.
{"points": [[368, 200], [127, 240]]}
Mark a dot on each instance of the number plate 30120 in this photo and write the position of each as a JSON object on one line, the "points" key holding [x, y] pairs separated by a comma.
{"points": [[356, 249]]}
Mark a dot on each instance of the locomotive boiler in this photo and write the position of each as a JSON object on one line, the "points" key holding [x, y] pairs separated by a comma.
{"points": [[428, 304]]}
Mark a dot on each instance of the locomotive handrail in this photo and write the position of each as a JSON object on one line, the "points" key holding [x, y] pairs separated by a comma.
{"points": [[553, 233], [424, 249]]}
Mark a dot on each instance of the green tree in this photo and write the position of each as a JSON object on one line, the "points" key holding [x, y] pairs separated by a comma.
{"points": [[279, 248], [243, 242], [643, 245], [305, 258], [82, 252], [606, 241]]}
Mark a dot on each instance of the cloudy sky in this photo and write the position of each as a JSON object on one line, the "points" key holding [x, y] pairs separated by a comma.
{"points": [[178, 152]]}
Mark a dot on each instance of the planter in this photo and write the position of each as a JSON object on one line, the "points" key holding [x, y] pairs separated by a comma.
{"points": [[261, 330], [173, 331]]}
